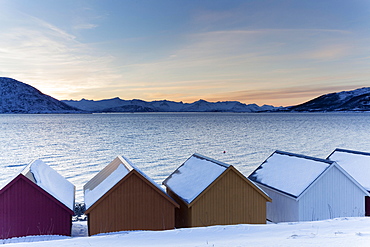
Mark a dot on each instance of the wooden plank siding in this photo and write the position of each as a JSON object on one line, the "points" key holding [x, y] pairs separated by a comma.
{"points": [[26, 209], [283, 208], [230, 199], [132, 204], [182, 213], [334, 195]]}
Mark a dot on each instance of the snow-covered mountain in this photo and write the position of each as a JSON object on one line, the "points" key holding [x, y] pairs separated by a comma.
{"points": [[355, 100], [18, 97], [120, 105]]}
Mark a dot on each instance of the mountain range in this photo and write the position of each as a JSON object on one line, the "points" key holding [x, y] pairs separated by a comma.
{"points": [[18, 97], [355, 100], [120, 105]]}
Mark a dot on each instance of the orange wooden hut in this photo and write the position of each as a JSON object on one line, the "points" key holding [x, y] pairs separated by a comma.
{"points": [[210, 192], [121, 198]]}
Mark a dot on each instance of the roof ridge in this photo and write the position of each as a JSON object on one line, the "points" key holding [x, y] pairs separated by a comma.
{"points": [[280, 185], [212, 160], [104, 173], [127, 163], [45, 176], [304, 156], [134, 167], [350, 151], [93, 194], [217, 168]]}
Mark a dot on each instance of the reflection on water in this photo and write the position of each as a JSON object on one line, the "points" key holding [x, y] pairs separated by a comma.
{"points": [[79, 146]]}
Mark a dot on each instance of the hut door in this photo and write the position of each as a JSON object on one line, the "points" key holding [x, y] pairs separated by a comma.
{"points": [[367, 206]]}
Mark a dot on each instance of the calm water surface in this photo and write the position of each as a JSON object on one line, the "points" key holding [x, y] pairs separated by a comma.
{"points": [[79, 146]]}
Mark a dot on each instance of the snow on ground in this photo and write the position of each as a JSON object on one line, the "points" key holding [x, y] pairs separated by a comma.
{"points": [[335, 232]]}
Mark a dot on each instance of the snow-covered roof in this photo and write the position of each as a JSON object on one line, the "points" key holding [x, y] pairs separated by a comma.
{"points": [[107, 178], [102, 182], [289, 173], [355, 163], [51, 181], [194, 176]]}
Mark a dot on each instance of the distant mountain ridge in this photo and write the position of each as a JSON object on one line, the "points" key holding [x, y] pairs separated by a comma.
{"points": [[120, 105], [18, 97], [355, 100]]}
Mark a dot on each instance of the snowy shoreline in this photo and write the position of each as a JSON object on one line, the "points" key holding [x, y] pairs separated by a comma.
{"points": [[334, 232]]}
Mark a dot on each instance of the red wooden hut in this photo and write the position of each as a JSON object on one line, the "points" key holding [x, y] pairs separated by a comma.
{"points": [[37, 201]]}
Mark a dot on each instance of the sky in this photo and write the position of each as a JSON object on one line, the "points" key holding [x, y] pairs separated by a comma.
{"points": [[276, 52]]}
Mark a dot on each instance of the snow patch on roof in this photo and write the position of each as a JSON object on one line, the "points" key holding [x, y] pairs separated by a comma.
{"points": [[91, 196], [355, 164], [53, 183], [108, 177], [289, 173], [194, 176]]}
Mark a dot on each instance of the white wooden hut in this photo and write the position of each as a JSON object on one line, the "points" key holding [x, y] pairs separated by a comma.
{"points": [[304, 188], [357, 164]]}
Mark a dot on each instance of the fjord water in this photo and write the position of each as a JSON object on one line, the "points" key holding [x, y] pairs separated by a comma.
{"points": [[79, 146]]}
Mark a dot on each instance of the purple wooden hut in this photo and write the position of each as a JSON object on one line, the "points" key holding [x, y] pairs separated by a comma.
{"points": [[37, 201]]}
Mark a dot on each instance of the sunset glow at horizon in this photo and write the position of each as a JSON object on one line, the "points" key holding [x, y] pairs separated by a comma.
{"points": [[278, 53]]}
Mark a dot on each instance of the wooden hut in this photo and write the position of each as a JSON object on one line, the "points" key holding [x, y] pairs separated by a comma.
{"points": [[357, 164], [304, 188], [121, 197], [37, 201], [210, 192]]}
